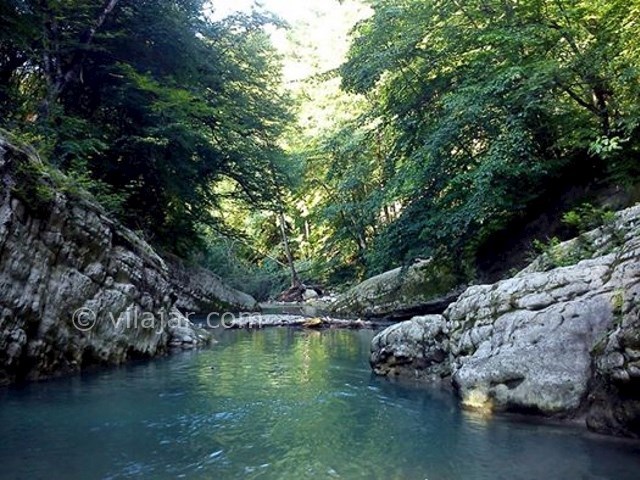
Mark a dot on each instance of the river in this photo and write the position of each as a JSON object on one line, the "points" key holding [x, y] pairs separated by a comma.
{"points": [[279, 404]]}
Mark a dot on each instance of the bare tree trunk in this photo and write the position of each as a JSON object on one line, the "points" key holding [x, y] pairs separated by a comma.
{"points": [[295, 280], [307, 230]]}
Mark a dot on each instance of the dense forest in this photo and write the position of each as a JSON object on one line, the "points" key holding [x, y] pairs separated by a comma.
{"points": [[450, 128]]}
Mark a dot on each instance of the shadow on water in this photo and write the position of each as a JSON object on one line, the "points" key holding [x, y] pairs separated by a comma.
{"points": [[279, 403]]}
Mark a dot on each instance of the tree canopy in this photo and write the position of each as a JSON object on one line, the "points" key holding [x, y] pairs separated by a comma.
{"points": [[482, 104], [152, 99]]}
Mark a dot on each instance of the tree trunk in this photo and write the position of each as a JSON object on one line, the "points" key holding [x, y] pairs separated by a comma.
{"points": [[600, 103], [295, 280]]}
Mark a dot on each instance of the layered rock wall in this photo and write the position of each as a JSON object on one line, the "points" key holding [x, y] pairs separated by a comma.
{"points": [[76, 287]]}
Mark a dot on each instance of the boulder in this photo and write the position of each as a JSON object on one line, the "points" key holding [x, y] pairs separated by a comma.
{"points": [[424, 287], [310, 294], [416, 349], [526, 342], [553, 341], [185, 335]]}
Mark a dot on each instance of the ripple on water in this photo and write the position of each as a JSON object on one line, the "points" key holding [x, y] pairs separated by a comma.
{"points": [[279, 404]]}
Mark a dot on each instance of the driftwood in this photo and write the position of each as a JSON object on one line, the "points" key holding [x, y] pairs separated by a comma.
{"points": [[314, 323]]}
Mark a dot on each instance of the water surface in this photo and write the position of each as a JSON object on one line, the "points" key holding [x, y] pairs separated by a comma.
{"points": [[279, 404]]}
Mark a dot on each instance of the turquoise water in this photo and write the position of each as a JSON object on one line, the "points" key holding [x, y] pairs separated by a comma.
{"points": [[279, 404]]}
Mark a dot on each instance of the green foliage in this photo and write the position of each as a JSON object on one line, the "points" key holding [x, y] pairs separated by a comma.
{"points": [[482, 105], [163, 105], [38, 183], [454, 120], [263, 280], [33, 185], [587, 217], [582, 220], [80, 180], [617, 302], [606, 147], [554, 254]]}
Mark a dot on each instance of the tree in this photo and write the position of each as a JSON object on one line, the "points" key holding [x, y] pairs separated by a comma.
{"points": [[487, 102], [61, 62], [151, 99]]}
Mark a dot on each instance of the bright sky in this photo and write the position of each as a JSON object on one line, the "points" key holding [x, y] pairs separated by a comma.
{"points": [[290, 10]]}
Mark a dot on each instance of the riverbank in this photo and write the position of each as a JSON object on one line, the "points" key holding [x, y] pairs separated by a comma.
{"points": [[79, 289], [258, 321], [559, 339]]}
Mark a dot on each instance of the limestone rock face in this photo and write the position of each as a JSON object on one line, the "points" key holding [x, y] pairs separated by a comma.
{"points": [[201, 291], [423, 287], [556, 342], [76, 288], [526, 342], [417, 348], [614, 402]]}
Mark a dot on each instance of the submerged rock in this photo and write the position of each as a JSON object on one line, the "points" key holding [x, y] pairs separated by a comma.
{"points": [[556, 342], [422, 288], [78, 288], [185, 335]]}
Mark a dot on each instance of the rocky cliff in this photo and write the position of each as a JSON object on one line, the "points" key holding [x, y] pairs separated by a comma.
{"points": [[420, 288], [200, 290], [76, 287], [553, 340]]}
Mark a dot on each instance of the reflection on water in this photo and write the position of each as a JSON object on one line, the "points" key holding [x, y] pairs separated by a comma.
{"points": [[279, 404]]}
